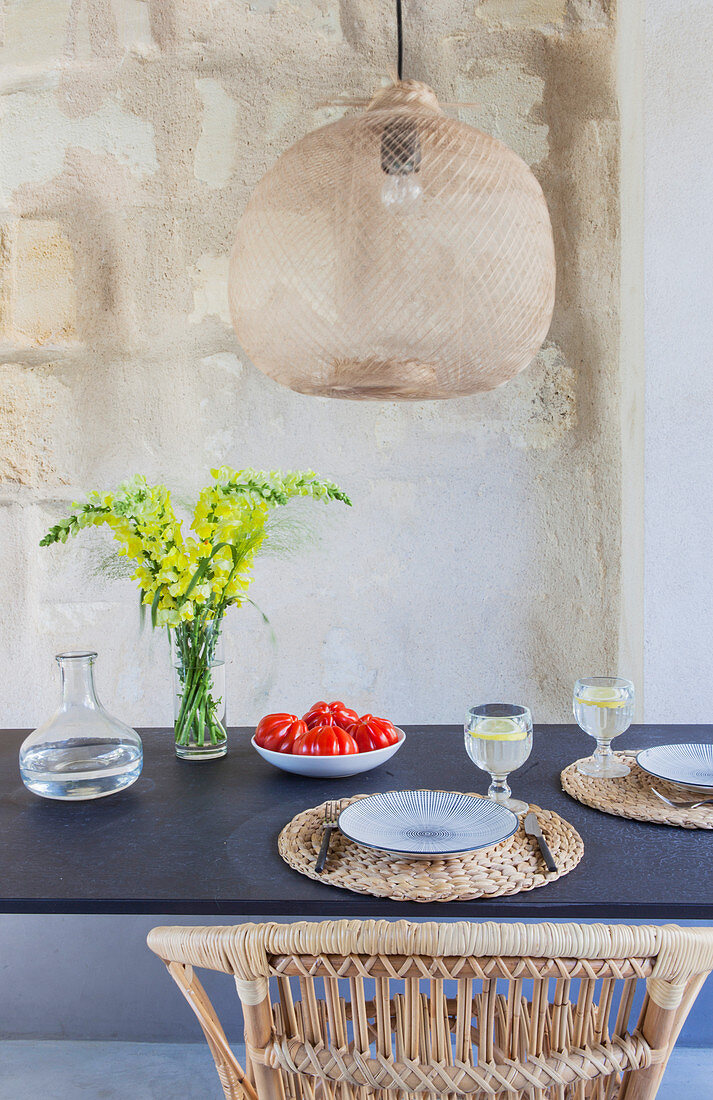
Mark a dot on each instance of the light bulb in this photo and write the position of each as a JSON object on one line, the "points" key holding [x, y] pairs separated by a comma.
{"points": [[401, 194], [401, 161]]}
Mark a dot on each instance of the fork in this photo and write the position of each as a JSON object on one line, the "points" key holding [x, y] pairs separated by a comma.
{"points": [[683, 805], [331, 818]]}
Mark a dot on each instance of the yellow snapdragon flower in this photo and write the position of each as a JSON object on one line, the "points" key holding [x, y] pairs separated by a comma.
{"points": [[199, 576]]}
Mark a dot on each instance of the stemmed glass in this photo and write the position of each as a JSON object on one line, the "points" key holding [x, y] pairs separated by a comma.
{"points": [[498, 739], [604, 708]]}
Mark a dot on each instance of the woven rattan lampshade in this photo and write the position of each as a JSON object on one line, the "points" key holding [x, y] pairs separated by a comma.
{"points": [[397, 254]]}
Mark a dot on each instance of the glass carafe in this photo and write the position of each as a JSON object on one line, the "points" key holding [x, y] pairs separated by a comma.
{"points": [[81, 752]]}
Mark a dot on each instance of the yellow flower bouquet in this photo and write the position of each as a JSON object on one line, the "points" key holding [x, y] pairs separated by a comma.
{"points": [[189, 581]]}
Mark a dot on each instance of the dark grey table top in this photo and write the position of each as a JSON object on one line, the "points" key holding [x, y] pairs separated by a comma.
{"points": [[202, 838]]}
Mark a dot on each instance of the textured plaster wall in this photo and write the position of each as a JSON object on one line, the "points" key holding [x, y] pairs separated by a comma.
{"points": [[482, 555], [679, 379]]}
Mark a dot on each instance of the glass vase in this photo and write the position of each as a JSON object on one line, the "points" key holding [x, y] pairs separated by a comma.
{"points": [[199, 691], [81, 752]]}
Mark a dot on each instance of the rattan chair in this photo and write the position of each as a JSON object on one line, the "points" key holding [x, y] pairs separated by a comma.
{"points": [[391, 1011]]}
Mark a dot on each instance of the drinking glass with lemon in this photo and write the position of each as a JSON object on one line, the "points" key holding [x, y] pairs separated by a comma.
{"points": [[498, 739], [604, 708]]}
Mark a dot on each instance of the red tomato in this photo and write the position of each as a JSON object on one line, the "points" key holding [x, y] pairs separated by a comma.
{"points": [[373, 733], [278, 732], [318, 715], [330, 714], [343, 716], [325, 741]]}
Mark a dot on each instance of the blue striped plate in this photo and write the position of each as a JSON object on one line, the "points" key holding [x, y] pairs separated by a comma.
{"points": [[690, 765], [427, 824]]}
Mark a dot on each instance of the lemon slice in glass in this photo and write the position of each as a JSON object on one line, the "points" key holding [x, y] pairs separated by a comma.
{"points": [[601, 697], [499, 729]]}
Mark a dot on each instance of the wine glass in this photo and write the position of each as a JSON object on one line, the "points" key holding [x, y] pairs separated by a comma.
{"points": [[604, 708], [498, 739]]}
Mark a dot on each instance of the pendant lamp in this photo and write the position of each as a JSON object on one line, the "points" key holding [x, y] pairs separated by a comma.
{"points": [[397, 255]]}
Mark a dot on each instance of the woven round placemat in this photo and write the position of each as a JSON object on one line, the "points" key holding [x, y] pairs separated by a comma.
{"points": [[507, 868], [631, 796]]}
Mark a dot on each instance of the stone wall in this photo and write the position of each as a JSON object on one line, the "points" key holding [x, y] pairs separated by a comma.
{"points": [[482, 555]]}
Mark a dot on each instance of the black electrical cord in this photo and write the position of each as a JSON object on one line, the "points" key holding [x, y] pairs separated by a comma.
{"points": [[399, 40]]}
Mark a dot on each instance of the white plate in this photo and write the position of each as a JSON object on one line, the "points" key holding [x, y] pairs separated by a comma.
{"points": [[427, 824], [330, 767], [689, 765]]}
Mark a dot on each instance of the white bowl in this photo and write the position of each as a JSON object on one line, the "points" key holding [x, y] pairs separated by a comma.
{"points": [[330, 767]]}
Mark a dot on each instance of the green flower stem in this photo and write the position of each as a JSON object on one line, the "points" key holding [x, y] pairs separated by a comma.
{"points": [[197, 717], [197, 710]]}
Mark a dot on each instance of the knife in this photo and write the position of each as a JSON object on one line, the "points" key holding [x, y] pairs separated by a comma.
{"points": [[532, 828]]}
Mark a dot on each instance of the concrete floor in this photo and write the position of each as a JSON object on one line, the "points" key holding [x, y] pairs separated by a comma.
{"points": [[162, 1071]]}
